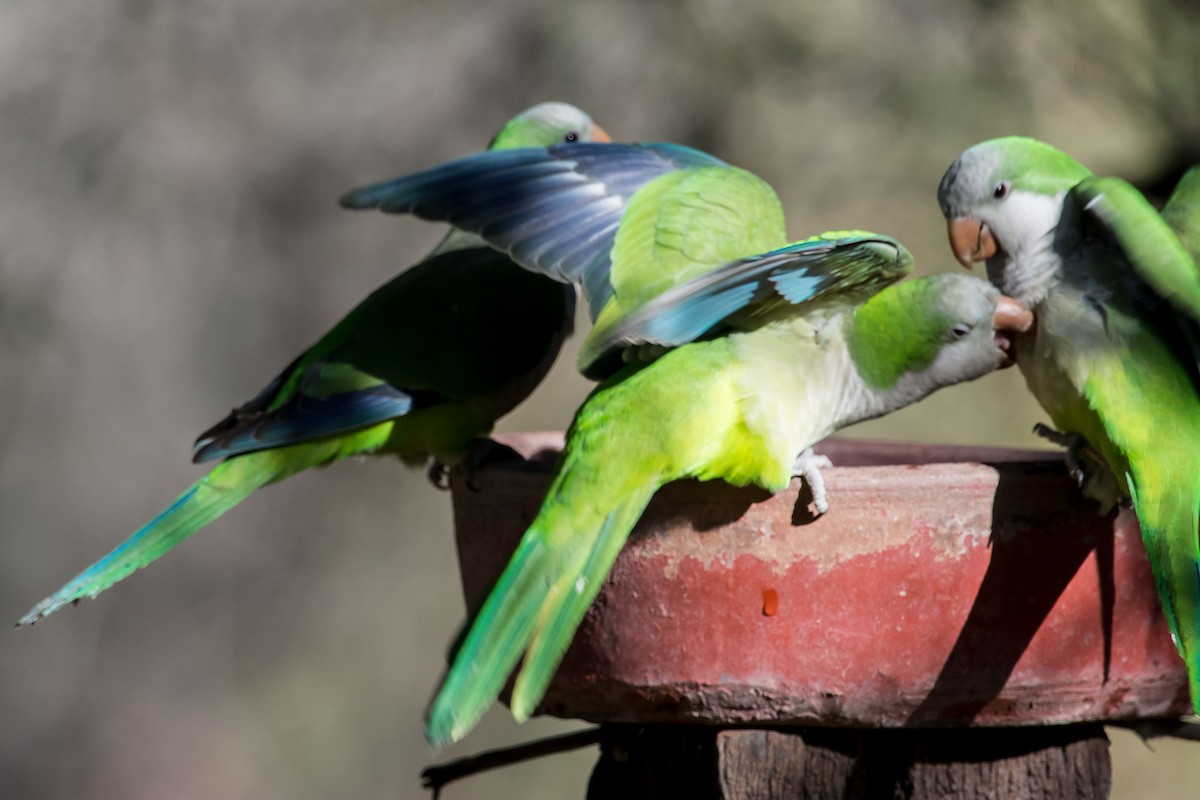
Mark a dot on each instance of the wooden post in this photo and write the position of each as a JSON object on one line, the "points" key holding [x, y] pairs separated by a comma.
{"points": [[677, 762], [961, 619]]}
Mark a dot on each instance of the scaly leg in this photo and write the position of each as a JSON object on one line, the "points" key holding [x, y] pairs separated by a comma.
{"points": [[808, 466]]}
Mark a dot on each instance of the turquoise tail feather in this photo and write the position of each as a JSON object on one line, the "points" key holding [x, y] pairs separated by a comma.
{"points": [[228, 484]]}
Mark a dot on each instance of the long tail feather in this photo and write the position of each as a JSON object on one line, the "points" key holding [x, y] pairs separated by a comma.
{"points": [[572, 596], [537, 603], [228, 484], [493, 644]]}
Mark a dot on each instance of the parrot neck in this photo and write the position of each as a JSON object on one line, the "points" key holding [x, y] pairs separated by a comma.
{"points": [[892, 344], [860, 401], [1029, 261], [1028, 277]]}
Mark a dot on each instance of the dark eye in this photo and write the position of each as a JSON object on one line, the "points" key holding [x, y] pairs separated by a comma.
{"points": [[571, 136], [959, 331], [1000, 191]]}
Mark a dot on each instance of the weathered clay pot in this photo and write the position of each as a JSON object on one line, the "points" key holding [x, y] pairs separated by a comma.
{"points": [[947, 586]]}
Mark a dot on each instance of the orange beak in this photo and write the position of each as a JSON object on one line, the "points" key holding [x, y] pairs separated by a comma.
{"points": [[599, 134], [970, 240], [1010, 319]]}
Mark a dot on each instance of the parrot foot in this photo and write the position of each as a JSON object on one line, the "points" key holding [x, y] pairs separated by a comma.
{"points": [[480, 453], [1086, 466], [808, 466], [1055, 437], [439, 475]]}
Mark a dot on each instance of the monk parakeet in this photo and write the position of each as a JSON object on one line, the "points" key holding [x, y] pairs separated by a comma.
{"points": [[421, 368], [739, 407], [745, 351], [1112, 356]]}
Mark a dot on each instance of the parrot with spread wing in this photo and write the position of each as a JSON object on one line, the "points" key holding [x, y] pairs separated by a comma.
{"points": [[1112, 356], [726, 352], [739, 407], [420, 369]]}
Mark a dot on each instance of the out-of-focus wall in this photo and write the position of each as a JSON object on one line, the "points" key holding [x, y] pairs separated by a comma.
{"points": [[169, 239]]}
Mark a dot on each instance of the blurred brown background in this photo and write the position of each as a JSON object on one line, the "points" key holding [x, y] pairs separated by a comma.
{"points": [[169, 239]]}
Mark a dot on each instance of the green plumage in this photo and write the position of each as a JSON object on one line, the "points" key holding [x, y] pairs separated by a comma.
{"points": [[740, 407], [1182, 212], [1113, 356], [420, 369]]}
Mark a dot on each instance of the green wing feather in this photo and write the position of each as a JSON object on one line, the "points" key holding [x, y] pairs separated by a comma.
{"points": [[1182, 212], [701, 225], [682, 225], [1147, 396], [744, 294], [1153, 250], [685, 223]]}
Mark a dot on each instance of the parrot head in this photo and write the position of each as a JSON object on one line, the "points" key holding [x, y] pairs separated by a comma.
{"points": [[548, 123], [915, 337], [1002, 200], [970, 324]]}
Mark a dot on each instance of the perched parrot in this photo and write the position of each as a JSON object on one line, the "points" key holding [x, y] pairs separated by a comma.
{"points": [[739, 407], [727, 353], [421, 368], [1112, 357]]}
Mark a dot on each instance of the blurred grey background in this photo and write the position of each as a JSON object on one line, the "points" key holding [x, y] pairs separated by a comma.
{"points": [[169, 240]]}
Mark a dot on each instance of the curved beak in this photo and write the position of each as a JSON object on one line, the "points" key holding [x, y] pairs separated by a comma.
{"points": [[599, 134], [971, 240], [1009, 319]]}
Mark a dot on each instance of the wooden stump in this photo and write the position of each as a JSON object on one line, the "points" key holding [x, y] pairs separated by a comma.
{"points": [[699, 763]]}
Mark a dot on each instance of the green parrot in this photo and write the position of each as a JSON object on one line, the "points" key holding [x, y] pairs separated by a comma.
{"points": [[1112, 356], [739, 407], [422, 368], [727, 353]]}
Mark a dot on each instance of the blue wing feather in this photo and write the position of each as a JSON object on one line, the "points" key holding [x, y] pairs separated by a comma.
{"points": [[304, 418], [710, 304], [555, 210]]}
